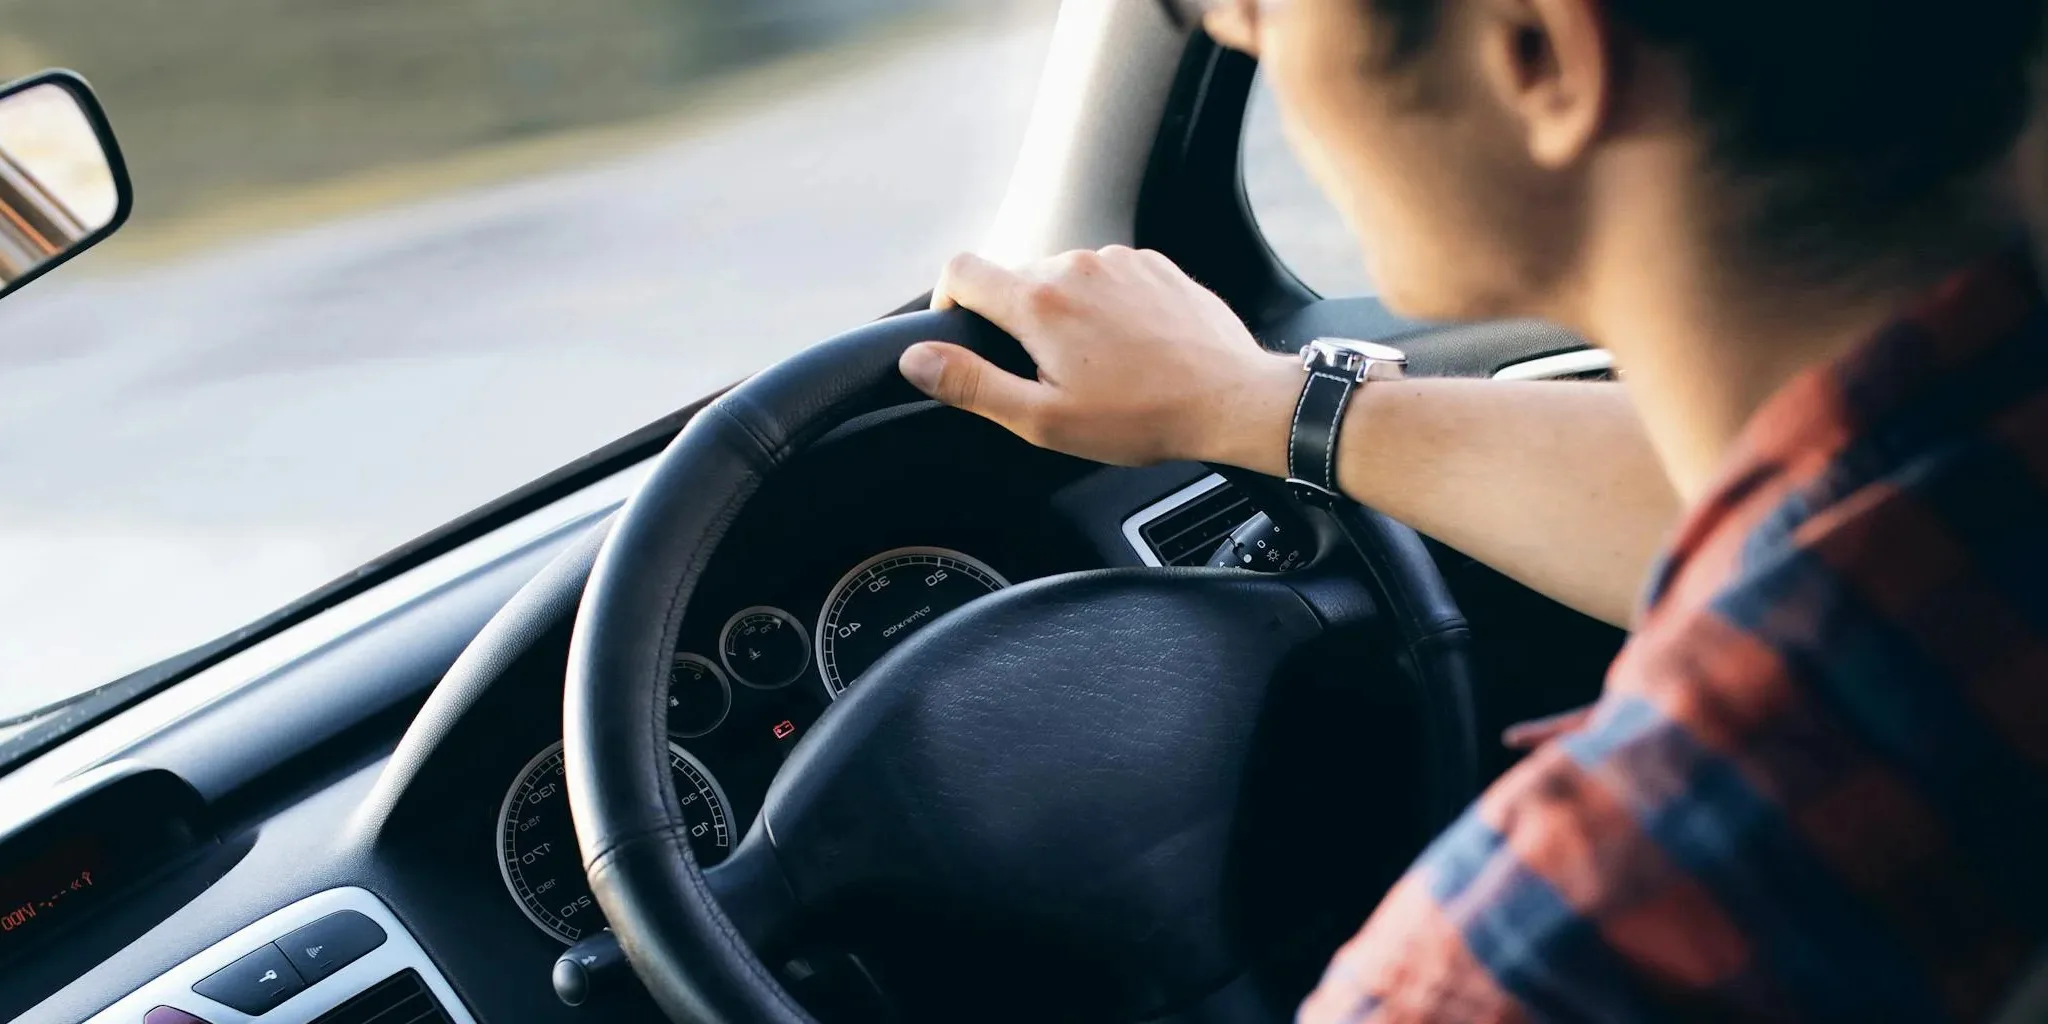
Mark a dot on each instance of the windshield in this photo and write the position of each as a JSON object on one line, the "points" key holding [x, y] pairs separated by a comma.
{"points": [[389, 261]]}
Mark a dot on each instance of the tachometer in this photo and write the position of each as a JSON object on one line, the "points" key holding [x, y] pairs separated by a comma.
{"points": [[537, 841], [885, 599]]}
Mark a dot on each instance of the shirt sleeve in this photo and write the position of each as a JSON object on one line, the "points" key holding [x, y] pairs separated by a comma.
{"points": [[1547, 900]]}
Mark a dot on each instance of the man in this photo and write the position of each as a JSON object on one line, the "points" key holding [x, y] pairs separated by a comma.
{"points": [[1814, 786]]}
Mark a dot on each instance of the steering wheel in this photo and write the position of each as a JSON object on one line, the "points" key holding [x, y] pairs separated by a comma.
{"points": [[1064, 756]]}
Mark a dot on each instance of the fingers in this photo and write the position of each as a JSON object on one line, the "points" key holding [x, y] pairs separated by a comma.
{"points": [[988, 288], [1159, 263], [1535, 733], [962, 379], [1523, 737], [1234, 26], [1010, 297]]}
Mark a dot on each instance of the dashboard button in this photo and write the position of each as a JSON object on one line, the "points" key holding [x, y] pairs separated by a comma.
{"points": [[255, 984], [170, 1015], [331, 943]]}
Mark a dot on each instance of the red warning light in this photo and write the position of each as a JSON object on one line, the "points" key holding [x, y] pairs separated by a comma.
{"points": [[785, 729]]}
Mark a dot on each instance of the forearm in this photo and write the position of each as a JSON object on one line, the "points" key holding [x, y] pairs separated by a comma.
{"points": [[1552, 483]]}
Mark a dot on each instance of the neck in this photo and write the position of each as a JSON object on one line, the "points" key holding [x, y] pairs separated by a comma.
{"points": [[1702, 340], [1700, 357]]}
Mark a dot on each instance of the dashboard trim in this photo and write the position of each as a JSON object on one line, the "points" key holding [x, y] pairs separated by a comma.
{"points": [[1563, 364], [399, 952]]}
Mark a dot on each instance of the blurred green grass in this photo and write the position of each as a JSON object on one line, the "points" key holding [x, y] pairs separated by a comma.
{"points": [[216, 101]]}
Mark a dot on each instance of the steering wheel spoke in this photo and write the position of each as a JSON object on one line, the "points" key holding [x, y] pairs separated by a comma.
{"points": [[1006, 764], [752, 892]]}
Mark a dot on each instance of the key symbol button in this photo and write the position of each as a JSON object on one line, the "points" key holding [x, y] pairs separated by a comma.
{"points": [[255, 984]]}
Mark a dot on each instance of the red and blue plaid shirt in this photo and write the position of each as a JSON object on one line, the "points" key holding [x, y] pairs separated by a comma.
{"points": [[1815, 787]]}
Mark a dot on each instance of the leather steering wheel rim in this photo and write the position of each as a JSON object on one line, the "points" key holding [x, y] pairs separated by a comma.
{"points": [[692, 956]]}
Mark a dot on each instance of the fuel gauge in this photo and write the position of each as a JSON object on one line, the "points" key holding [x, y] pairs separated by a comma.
{"points": [[698, 696]]}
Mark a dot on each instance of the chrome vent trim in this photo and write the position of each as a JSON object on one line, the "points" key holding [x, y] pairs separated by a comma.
{"points": [[1190, 543], [1585, 363]]}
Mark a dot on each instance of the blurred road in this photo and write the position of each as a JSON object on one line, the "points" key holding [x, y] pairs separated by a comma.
{"points": [[186, 446]]}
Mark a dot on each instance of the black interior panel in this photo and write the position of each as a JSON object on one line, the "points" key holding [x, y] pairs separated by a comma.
{"points": [[95, 872]]}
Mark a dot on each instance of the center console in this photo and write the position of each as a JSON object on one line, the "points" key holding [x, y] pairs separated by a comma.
{"points": [[337, 957]]}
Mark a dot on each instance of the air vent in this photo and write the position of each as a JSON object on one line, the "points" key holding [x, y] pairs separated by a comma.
{"points": [[1583, 364], [1185, 527], [400, 999]]}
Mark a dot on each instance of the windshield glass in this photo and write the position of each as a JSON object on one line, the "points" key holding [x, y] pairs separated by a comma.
{"points": [[391, 260]]}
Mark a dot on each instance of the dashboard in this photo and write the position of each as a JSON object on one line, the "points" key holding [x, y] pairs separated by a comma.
{"points": [[410, 772]]}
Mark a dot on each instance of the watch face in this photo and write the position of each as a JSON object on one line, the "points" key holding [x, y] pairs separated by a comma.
{"points": [[1369, 349], [1363, 360]]}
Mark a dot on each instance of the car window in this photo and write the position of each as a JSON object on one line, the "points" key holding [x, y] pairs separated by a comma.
{"points": [[1300, 225], [391, 260]]}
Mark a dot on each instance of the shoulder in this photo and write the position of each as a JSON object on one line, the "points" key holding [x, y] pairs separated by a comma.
{"points": [[1892, 634], [1911, 609], [1629, 872], [1848, 736], [1917, 563]]}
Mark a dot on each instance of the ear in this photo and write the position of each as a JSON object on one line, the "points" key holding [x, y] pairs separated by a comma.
{"points": [[1549, 63]]}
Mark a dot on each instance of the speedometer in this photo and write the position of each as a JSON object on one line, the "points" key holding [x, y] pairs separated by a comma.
{"points": [[537, 840], [882, 601]]}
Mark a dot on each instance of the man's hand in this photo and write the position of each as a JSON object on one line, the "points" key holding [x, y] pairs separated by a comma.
{"points": [[1136, 362]]}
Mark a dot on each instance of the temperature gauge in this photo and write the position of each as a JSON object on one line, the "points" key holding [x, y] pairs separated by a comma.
{"points": [[765, 648]]}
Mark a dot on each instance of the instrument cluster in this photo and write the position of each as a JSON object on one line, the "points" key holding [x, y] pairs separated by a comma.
{"points": [[739, 702]]}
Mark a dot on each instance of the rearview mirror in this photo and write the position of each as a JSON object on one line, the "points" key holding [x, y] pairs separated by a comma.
{"points": [[63, 187]]}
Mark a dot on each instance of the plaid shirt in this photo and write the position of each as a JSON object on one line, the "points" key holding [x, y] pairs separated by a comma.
{"points": [[1815, 786]]}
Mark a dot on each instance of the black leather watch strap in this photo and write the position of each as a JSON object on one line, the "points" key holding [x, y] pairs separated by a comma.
{"points": [[1312, 443]]}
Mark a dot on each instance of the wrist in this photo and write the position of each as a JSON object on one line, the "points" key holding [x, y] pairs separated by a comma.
{"points": [[1247, 424]]}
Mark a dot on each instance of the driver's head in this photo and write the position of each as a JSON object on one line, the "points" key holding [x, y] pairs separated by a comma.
{"points": [[1505, 157]]}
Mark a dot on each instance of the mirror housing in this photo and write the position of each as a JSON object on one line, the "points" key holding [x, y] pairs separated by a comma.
{"points": [[63, 185]]}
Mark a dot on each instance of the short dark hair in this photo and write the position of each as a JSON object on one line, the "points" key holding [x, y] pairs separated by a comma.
{"points": [[1857, 126]]}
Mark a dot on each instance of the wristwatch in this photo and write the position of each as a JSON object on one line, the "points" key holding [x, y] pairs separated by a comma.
{"points": [[1336, 367]]}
